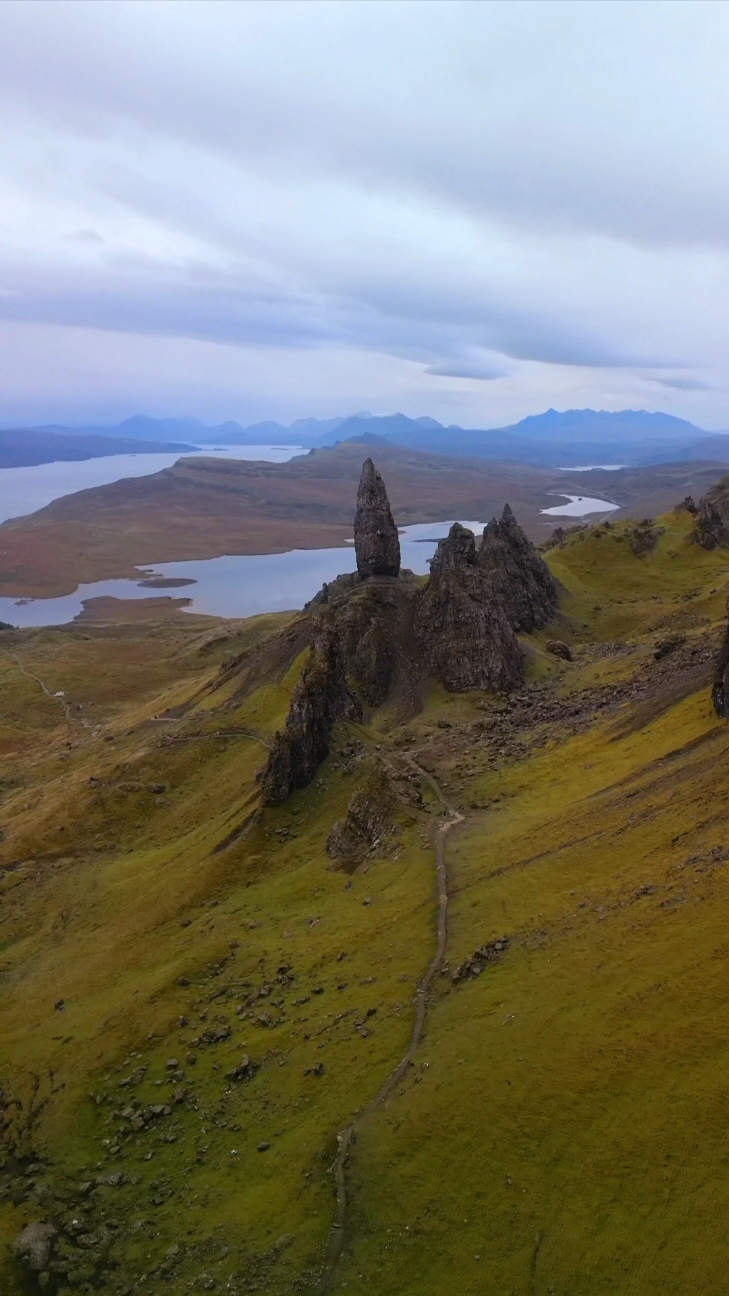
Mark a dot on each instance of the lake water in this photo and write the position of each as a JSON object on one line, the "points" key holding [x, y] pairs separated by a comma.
{"points": [[579, 506], [236, 585], [25, 490]]}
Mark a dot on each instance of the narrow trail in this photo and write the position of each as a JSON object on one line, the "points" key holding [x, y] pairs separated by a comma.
{"points": [[338, 1236], [37, 680]]}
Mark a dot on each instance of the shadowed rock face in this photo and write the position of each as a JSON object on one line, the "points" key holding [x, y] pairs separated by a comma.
{"points": [[710, 530], [519, 577], [321, 698], [375, 535], [720, 690], [462, 630]]}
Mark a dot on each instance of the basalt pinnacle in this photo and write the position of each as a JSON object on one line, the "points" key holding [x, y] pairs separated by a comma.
{"points": [[376, 541], [519, 578]]}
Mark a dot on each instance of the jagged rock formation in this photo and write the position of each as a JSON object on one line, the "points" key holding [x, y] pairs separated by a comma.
{"points": [[520, 579], [379, 634], [710, 530], [720, 690], [321, 698], [687, 505], [370, 823], [464, 634], [376, 540]]}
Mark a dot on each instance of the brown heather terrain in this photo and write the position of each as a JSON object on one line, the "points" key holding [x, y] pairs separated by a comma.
{"points": [[203, 508]]}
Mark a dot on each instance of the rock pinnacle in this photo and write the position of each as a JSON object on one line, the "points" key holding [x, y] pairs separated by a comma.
{"points": [[376, 541]]}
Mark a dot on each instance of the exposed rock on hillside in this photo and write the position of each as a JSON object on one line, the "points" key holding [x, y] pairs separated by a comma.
{"points": [[519, 577], [321, 698], [370, 823], [463, 632], [375, 534], [643, 536], [375, 627], [720, 690], [558, 648], [710, 530]]}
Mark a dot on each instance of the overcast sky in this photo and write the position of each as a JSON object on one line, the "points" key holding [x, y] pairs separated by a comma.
{"points": [[468, 210]]}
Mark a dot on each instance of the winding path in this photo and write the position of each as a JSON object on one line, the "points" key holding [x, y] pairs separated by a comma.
{"points": [[37, 680], [338, 1234]]}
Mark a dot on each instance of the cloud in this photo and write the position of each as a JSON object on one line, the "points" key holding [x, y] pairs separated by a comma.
{"points": [[684, 384], [533, 192]]}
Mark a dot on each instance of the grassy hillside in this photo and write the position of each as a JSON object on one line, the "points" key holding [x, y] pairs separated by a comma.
{"points": [[562, 1129]]}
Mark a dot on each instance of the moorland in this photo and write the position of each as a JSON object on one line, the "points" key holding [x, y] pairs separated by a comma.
{"points": [[203, 508], [199, 995]]}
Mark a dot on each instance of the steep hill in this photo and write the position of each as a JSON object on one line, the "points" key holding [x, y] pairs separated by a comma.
{"points": [[200, 995]]}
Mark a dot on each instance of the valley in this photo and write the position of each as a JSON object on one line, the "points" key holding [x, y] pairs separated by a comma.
{"points": [[202, 991]]}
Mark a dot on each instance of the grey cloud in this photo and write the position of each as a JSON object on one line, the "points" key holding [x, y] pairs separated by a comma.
{"points": [[684, 384]]}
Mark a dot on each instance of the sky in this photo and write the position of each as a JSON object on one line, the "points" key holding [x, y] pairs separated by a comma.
{"points": [[273, 210]]}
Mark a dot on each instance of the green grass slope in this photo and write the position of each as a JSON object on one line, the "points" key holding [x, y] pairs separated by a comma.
{"points": [[562, 1129]]}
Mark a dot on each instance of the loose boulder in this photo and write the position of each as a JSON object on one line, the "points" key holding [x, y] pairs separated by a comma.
{"points": [[35, 1245]]}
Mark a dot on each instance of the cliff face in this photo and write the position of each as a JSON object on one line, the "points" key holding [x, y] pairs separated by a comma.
{"points": [[375, 534], [461, 627], [519, 578], [321, 698]]}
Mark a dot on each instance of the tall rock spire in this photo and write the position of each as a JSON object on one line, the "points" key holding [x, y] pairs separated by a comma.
{"points": [[376, 541]]}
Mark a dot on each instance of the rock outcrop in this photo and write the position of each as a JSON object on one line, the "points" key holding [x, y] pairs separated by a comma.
{"points": [[376, 540], [519, 578], [720, 690], [710, 530], [464, 635], [370, 824], [321, 698], [35, 1245]]}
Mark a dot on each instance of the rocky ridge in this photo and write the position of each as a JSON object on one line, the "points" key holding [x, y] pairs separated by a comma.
{"points": [[379, 635]]}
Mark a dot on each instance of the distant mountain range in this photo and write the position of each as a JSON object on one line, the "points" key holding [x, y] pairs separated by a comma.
{"points": [[555, 438], [29, 447]]}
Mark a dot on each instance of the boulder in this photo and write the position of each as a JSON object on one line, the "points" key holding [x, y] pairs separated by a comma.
{"points": [[558, 648], [518, 576], [376, 540], [35, 1245], [461, 627]]}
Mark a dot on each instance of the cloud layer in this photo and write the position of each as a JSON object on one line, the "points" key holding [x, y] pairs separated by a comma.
{"points": [[255, 210]]}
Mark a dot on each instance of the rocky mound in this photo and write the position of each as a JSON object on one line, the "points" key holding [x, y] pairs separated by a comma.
{"points": [[370, 824], [519, 578], [710, 530], [463, 631], [321, 698]]}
